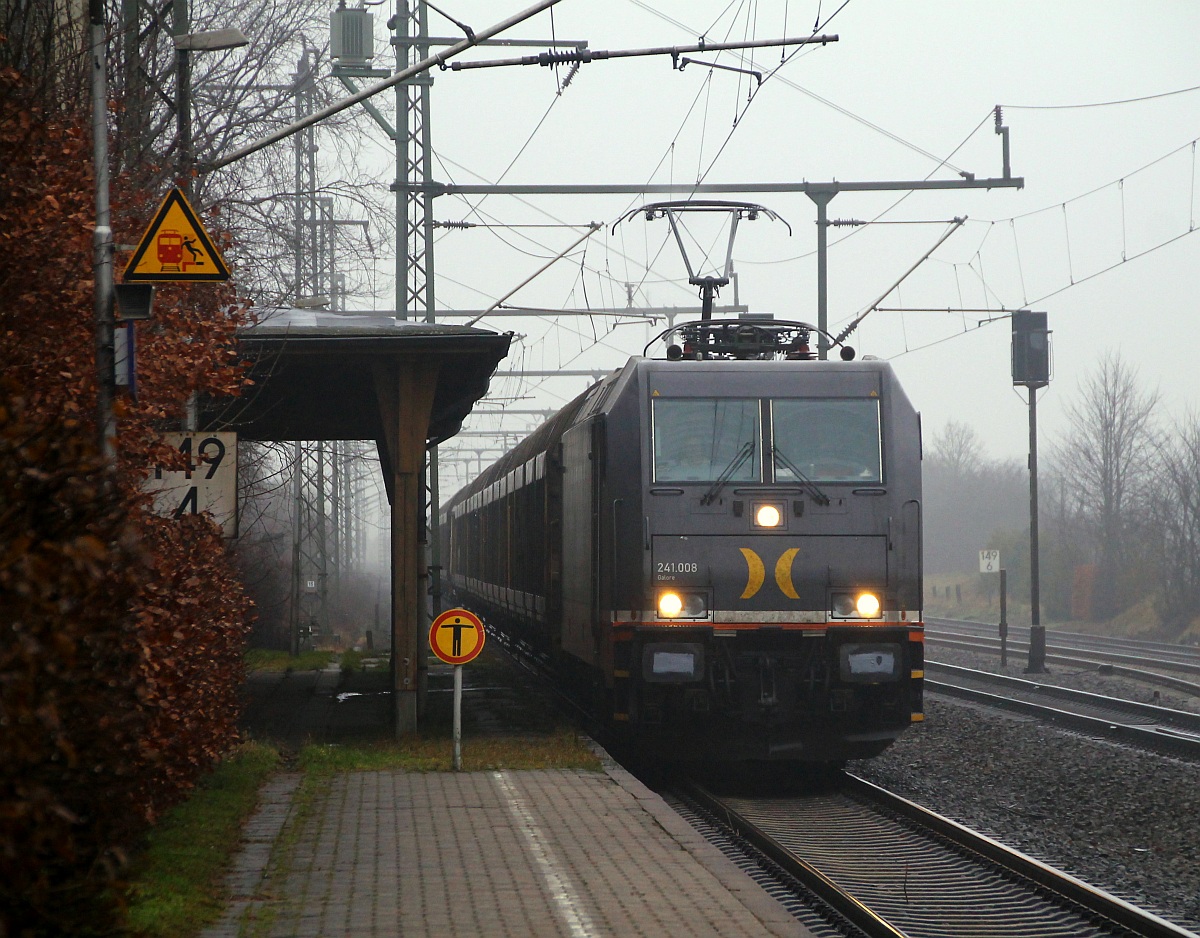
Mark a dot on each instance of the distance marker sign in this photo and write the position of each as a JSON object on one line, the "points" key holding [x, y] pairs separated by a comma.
{"points": [[456, 636]]}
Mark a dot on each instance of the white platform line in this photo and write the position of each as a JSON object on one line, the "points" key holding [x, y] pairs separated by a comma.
{"points": [[559, 885]]}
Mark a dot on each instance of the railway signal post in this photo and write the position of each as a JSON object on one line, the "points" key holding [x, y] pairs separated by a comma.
{"points": [[1031, 369], [456, 637]]}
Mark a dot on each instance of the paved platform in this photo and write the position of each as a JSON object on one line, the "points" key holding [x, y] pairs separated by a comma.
{"points": [[500, 853], [570, 853]]}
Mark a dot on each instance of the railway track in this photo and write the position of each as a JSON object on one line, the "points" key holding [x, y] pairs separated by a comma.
{"points": [[1081, 641], [892, 868], [1161, 729], [1146, 665]]}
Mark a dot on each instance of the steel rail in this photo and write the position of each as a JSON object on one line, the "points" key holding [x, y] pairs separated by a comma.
{"points": [[1184, 719], [1090, 897], [1098, 654], [1064, 896], [1159, 738], [812, 878], [1077, 641], [968, 643]]}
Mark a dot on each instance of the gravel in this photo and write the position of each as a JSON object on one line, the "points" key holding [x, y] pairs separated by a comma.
{"points": [[1121, 819]]}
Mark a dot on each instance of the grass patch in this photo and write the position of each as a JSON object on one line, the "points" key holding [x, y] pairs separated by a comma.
{"points": [[351, 661], [263, 659], [564, 750], [176, 884]]}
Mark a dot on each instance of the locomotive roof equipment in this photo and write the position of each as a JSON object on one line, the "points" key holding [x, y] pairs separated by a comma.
{"points": [[709, 285]]}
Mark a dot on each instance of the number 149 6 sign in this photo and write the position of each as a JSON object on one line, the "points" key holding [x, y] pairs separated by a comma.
{"points": [[205, 482]]}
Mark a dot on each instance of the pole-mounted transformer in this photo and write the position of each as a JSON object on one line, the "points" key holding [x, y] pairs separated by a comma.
{"points": [[351, 35]]}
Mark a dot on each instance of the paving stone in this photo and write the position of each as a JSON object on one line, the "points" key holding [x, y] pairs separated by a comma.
{"points": [[501, 853]]}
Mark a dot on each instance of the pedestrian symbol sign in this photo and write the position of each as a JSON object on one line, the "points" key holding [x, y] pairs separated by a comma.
{"points": [[456, 636], [175, 247]]}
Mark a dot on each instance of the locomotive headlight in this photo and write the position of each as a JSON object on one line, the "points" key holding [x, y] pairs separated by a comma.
{"points": [[867, 605], [682, 605], [670, 605], [860, 604], [767, 516]]}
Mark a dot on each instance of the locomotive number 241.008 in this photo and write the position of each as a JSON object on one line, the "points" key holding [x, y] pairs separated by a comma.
{"points": [[677, 566]]}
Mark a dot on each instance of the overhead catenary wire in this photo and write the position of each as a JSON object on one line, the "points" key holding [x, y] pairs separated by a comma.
{"points": [[591, 231], [446, 161], [1073, 277], [705, 91], [954, 226], [597, 55], [774, 74], [1052, 293], [877, 219], [1072, 107]]}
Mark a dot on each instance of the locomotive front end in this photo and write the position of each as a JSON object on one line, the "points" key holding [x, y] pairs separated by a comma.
{"points": [[779, 612]]}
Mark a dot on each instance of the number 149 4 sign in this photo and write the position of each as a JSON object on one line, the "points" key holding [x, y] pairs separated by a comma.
{"points": [[205, 480]]}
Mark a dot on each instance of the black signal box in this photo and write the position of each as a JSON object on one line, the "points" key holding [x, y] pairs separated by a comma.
{"points": [[1030, 349]]}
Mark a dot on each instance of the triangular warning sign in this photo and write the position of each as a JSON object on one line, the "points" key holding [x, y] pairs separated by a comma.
{"points": [[176, 247]]}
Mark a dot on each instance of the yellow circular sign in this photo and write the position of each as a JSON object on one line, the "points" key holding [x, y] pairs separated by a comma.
{"points": [[456, 636]]}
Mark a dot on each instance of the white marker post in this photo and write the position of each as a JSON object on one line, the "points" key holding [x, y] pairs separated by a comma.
{"points": [[989, 562]]}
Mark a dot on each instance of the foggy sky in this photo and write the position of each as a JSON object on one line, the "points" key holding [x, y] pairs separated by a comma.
{"points": [[928, 72]]}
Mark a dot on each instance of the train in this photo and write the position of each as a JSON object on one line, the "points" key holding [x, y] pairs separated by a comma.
{"points": [[716, 549]]}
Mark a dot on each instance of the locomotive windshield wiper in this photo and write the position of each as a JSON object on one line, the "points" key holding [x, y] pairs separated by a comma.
{"points": [[734, 464], [805, 482]]}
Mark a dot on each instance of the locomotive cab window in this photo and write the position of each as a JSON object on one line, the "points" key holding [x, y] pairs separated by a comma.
{"points": [[706, 439], [826, 440]]}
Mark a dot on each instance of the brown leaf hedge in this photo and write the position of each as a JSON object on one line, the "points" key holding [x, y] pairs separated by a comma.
{"points": [[121, 633]]}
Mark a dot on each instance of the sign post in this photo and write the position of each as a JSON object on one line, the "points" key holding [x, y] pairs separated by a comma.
{"points": [[456, 637], [989, 562]]}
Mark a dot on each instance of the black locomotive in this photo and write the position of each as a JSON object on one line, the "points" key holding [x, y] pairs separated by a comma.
{"points": [[720, 550]]}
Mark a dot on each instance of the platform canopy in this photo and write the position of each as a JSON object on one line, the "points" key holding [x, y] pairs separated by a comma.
{"points": [[368, 376], [316, 374]]}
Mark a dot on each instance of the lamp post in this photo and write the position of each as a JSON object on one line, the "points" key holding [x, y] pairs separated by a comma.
{"points": [[212, 40], [102, 242]]}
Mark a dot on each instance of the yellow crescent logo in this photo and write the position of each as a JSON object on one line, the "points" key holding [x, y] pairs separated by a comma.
{"points": [[783, 573], [755, 572]]}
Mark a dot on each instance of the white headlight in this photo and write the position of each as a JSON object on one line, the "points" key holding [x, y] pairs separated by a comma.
{"points": [[767, 516], [867, 605], [670, 605]]}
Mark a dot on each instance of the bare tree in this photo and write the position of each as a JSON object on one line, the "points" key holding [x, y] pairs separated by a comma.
{"points": [[47, 41], [284, 209], [1176, 514], [968, 498], [1106, 457], [278, 203], [957, 448]]}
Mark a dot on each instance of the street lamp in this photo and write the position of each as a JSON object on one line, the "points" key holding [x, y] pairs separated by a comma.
{"points": [[211, 40]]}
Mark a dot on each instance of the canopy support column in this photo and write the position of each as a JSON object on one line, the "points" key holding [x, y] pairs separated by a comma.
{"points": [[406, 391]]}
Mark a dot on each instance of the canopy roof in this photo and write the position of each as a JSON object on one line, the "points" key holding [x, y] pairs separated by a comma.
{"points": [[317, 374]]}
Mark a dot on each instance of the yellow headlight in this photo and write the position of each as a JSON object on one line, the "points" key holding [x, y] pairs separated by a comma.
{"points": [[670, 605], [867, 605], [767, 516]]}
